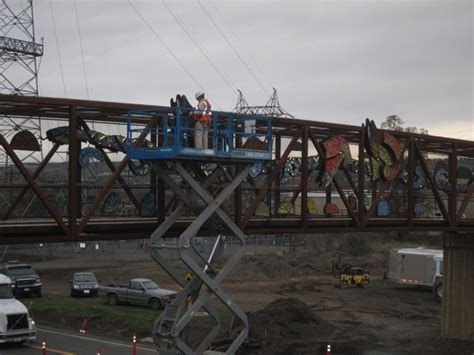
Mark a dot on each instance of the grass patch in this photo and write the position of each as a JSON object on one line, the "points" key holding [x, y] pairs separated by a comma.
{"points": [[61, 311]]}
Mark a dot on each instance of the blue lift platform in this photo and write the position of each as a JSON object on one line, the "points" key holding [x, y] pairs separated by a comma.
{"points": [[172, 137], [165, 135]]}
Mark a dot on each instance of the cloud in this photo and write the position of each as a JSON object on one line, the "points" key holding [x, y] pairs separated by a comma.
{"points": [[334, 61]]}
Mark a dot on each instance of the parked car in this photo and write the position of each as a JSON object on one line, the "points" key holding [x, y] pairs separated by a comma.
{"points": [[15, 322], [83, 284], [143, 292], [418, 266], [25, 280]]}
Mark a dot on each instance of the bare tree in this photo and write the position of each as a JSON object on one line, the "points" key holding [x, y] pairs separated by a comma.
{"points": [[393, 123]]}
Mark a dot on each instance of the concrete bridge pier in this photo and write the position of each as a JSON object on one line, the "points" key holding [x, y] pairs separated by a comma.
{"points": [[457, 316]]}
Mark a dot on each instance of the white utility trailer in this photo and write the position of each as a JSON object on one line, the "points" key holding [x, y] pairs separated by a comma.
{"points": [[418, 266]]}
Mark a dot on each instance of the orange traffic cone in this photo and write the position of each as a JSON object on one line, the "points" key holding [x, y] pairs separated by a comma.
{"points": [[85, 323], [134, 345]]}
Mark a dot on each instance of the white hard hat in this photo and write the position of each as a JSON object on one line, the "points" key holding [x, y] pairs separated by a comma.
{"points": [[199, 94]]}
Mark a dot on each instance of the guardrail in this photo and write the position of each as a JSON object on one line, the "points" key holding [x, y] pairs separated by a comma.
{"points": [[171, 131]]}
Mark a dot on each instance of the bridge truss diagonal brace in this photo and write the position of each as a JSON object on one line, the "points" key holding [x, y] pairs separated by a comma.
{"points": [[170, 326]]}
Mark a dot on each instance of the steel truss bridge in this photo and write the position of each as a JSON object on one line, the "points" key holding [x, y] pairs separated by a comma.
{"points": [[119, 171], [352, 188]]}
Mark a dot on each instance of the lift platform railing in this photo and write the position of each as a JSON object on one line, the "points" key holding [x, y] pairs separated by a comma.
{"points": [[231, 136]]}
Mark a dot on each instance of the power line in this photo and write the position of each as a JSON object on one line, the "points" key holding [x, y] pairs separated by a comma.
{"points": [[163, 43], [249, 56], [457, 132], [203, 52], [82, 50], [233, 48], [57, 47], [464, 135]]}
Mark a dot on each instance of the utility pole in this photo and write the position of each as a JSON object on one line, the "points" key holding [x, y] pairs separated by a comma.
{"points": [[271, 108], [19, 53]]}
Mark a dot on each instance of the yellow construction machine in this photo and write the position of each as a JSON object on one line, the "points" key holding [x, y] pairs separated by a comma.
{"points": [[346, 275], [352, 276]]}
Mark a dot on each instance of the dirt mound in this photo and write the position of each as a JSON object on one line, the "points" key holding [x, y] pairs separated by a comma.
{"points": [[281, 265], [287, 324], [306, 284], [304, 263]]}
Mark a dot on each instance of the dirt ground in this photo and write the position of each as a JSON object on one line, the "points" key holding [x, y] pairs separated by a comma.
{"points": [[294, 308]]}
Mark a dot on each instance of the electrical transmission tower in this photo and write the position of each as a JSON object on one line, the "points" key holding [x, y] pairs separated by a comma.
{"points": [[272, 107], [19, 53]]}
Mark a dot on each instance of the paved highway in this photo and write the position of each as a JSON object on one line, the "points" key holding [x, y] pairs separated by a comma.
{"points": [[68, 343]]}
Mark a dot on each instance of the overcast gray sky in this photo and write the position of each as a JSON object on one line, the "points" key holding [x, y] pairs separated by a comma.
{"points": [[336, 61]]}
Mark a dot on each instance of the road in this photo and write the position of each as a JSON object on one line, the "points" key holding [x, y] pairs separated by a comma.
{"points": [[68, 343]]}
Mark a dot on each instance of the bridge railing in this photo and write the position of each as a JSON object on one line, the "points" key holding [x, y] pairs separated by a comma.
{"points": [[171, 135]]}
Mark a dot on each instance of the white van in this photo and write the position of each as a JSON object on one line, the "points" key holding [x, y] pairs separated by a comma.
{"points": [[15, 322]]}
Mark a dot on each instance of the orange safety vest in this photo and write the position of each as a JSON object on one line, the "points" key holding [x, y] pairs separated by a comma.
{"points": [[206, 115]]}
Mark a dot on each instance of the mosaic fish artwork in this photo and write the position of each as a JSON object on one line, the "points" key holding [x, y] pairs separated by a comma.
{"points": [[331, 209], [286, 208], [88, 154], [256, 169], [114, 143], [419, 209], [465, 179], [111, 203], [25, 140], [293, 166], [312, 208], [139, 167], [440, 176], [148, 206], [385, 153], [419, 179], [262, 210], [338, 154], [383, 208]]}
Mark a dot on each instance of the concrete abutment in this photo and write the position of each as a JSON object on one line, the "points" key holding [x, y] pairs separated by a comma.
{"points": [[457, 316]]}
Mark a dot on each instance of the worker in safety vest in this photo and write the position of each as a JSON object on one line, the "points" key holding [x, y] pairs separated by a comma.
{"points": [[202, 119]]}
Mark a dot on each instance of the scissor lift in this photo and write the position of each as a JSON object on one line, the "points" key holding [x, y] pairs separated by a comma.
{"points": [[191, 174]]}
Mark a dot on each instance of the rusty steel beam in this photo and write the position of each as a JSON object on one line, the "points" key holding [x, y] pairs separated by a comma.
{"points": [[162, 206], [100, 111], [464, 203], [153, 180], [304, 178], [108, 185], [410, 181], [375, 201], [34, 186], [238, 190], [277, 192], [453, 182], [361, 176], [36, 174], [275, 172], [74, 172], [142, 228], [111, 166], [433, 186]]}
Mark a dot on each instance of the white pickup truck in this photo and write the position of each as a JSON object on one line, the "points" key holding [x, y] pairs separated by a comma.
{"points": [[15, 322], [143, 292]]}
